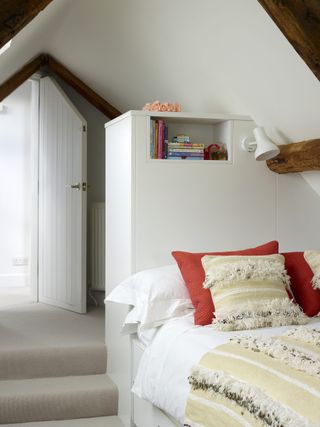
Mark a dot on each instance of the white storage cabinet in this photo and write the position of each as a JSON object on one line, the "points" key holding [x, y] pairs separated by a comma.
{"points": [[156, 206]]}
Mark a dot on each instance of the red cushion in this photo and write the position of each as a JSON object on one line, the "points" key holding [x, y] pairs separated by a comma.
{"points": [[301, 276], [193, 274]]}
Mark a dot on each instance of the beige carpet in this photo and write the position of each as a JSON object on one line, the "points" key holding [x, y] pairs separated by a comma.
{"points": [[45, 399], [38, 340], [52, 367], [33, 324], [83, 422], [13, 296]]}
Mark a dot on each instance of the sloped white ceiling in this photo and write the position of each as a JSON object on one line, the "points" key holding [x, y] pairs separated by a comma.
{"points": [[32, 40], [224, 56]]}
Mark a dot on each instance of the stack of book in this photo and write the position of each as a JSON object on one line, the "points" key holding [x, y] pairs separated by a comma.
{"points": [[181, 148], [158, 139]]}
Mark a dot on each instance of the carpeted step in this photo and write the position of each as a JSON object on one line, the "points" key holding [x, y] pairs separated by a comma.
{"points": [[61, 398], [83, 422], [37, 362]]}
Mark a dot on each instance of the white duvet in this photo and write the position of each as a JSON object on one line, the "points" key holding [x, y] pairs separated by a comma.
{"points": [[162, 376]]}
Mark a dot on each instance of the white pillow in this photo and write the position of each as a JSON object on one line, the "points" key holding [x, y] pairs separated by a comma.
{"points": [[157, 295]]}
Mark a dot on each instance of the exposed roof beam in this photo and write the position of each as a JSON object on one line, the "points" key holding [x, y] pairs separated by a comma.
{"points": [[297, 157], [299, 20], [16, 14], [84, 90], [45, 61], [21, 76]]}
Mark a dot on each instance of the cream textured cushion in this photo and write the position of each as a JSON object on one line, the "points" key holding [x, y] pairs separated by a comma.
{"points": [[250, 292], [313, 259]]}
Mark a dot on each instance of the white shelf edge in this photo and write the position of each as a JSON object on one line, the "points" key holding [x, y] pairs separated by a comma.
{"points": [[202, 162], [182, 115]]}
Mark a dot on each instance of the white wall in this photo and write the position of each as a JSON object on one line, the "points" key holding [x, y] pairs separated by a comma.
{"points": [[224, 56], [15, 189], [219, 56], [211, 55], [298, 213], [313, 179]]}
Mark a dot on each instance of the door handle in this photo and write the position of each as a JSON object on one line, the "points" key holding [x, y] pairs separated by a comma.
{"points": [[74, 186], [84, 186]]}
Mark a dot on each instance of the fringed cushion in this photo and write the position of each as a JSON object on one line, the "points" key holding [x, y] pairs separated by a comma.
{"points": [[303, 280], [313, 259], [250, 292], [193, 275]]}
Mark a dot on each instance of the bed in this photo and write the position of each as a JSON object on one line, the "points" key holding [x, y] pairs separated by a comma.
{"points": [[162, 374], [237, 369]]}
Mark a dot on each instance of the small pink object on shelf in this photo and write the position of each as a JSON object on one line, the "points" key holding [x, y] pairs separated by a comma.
{"points": [[162, 106]]}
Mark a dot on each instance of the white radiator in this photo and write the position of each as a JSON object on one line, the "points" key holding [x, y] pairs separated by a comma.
{"points": [[98, 247]]}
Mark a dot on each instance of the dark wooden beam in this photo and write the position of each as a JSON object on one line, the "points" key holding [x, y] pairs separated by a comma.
{"points": [[299, 21], [16, 14], [297, 157], [84, 90], [21, 76], [47, 62]]}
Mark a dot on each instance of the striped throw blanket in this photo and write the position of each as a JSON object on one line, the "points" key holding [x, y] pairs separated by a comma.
{"points": [[258, 382]]}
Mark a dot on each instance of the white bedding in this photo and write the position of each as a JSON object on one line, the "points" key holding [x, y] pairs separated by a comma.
{"points": [[146, 336], [162, 376]]}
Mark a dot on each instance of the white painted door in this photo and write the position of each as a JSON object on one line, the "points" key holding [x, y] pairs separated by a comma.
{"points": [[62, 200]]}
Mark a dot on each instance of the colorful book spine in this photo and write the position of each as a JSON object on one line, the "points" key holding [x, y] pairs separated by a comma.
{"points": [[166, 140], [185, 158], [185, 153], [182, 145], [152, 127], [185, 150], [179, 148], [161, 127], [156, 134]]}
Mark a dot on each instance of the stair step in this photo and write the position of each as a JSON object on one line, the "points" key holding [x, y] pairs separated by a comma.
{"points": [[61, 398], [39, 362], [83, 422]]}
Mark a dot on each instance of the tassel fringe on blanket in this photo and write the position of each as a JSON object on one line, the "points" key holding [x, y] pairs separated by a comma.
{"points": [[289, 353], [257, 403], [260, 381], [305, 335]]}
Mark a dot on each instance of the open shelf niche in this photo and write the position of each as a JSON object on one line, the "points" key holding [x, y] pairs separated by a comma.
{"points": [[205, 130]]}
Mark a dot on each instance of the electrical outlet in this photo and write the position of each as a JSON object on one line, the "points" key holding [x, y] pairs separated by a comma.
{"points": [[19, 260]]}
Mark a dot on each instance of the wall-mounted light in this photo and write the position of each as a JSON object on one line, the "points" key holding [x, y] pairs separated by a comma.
{"points": [[263, 146]]}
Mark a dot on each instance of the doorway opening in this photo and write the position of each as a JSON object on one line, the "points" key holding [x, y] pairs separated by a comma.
{"points": [[17, 165], [44, 162]]}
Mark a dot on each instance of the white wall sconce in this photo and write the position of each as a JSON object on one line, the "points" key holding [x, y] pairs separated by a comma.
{"points": [[261, 144]]}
